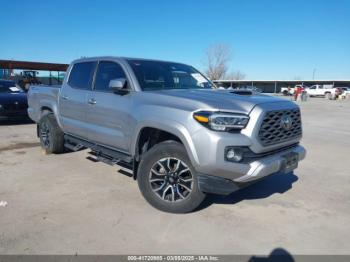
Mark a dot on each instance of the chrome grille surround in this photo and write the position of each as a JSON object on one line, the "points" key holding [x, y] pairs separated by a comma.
{"points": [[271, 131]]}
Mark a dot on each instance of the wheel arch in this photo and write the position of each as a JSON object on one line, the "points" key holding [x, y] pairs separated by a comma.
{"points": [[44, 110], [161, 133], [47, 106]]}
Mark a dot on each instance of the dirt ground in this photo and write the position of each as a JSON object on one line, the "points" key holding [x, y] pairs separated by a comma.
{"points": [[67, 204]]}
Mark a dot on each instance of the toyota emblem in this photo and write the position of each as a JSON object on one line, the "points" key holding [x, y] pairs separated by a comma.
{"points": [[286, 122]]}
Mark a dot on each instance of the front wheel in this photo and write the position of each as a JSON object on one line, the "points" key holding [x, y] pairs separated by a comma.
{"points": [[167, 179]]}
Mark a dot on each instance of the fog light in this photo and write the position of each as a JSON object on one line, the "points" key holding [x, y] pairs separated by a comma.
{"points": [[234, 154]]}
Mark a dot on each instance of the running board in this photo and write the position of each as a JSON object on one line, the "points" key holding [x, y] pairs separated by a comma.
{"points": [[100, 157], [102, 153], [73, 147]]}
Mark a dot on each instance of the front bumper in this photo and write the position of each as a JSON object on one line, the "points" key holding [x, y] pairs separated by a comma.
{"points": [[270, 165], [256, 170]]}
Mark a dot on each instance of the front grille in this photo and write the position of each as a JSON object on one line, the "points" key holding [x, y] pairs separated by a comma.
{"points": [[272, 131]]}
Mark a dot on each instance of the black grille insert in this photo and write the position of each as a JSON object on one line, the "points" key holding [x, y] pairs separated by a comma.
{"points": [[272, 131]]}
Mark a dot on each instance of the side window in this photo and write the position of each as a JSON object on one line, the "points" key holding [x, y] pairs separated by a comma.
{"points": [[106, 72], [81, 75]]}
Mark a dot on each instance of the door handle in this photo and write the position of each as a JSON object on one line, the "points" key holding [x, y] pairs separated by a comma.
{"points": [[65, 97], [92, 101]]}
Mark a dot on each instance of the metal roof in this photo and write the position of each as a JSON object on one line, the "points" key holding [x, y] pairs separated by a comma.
{"points": [[12, 64], [285, 81]]}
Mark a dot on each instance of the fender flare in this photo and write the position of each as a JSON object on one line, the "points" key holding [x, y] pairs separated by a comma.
{"points": [[176, 129]]}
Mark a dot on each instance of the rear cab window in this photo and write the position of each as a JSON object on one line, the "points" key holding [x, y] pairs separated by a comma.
{"points": [[82, 74]]}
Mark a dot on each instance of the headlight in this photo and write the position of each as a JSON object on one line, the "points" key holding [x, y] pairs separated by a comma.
{"points": [[220, 121]]}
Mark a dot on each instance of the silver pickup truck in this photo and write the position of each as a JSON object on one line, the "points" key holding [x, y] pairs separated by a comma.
{"points": [[181, 137]]}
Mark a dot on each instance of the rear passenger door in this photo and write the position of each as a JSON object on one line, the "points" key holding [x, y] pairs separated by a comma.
{"points": [[108, 114], [73, 98]]}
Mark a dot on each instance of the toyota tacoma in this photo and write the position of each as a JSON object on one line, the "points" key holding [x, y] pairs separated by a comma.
{"points": [[181, 137]]}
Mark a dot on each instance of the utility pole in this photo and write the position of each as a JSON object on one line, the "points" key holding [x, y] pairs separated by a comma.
{"points": [[313, 74]]}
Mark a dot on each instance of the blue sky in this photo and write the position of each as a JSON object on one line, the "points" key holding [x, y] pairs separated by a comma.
{"points": [[269, 39]]}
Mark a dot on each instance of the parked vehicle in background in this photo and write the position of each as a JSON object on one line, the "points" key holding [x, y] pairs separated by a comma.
{"points": [[181, 137], [27, 79], [13, 101], [250, 88], [328, 91], [287, 91], [345, 90]]}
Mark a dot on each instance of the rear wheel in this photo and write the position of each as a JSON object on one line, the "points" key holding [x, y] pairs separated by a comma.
{"points": [[167, 179], [51, 136]]}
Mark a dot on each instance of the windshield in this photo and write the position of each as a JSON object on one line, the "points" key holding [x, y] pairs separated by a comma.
{"points": [[9, 87], [156, 75]]}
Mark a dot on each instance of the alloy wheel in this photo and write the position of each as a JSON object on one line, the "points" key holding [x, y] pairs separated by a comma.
{"points": [[171, 179], [45, 134]]}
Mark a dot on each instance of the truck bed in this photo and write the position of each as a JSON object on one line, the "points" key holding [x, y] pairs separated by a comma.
{"points": [[40, 96]]}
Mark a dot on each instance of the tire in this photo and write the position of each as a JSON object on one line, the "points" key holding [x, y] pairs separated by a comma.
{"points": [[328, 96], [50, 134], [167, 179]]}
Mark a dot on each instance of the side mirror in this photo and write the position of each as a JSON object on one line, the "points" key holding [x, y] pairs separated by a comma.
{"points": [[117, 85]]}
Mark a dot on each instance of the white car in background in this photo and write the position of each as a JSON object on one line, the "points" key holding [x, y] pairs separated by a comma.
{"points": [[287, 91], [328, 91], [346, 90]]}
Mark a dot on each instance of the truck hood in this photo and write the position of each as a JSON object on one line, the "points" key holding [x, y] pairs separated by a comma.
{"points": [[215, 99]]}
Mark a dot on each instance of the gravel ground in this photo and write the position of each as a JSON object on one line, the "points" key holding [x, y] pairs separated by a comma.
{"points": [[66, 204]]}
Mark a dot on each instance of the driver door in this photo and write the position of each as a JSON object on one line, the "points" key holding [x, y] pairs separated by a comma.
{"points": [[108, 114]]}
